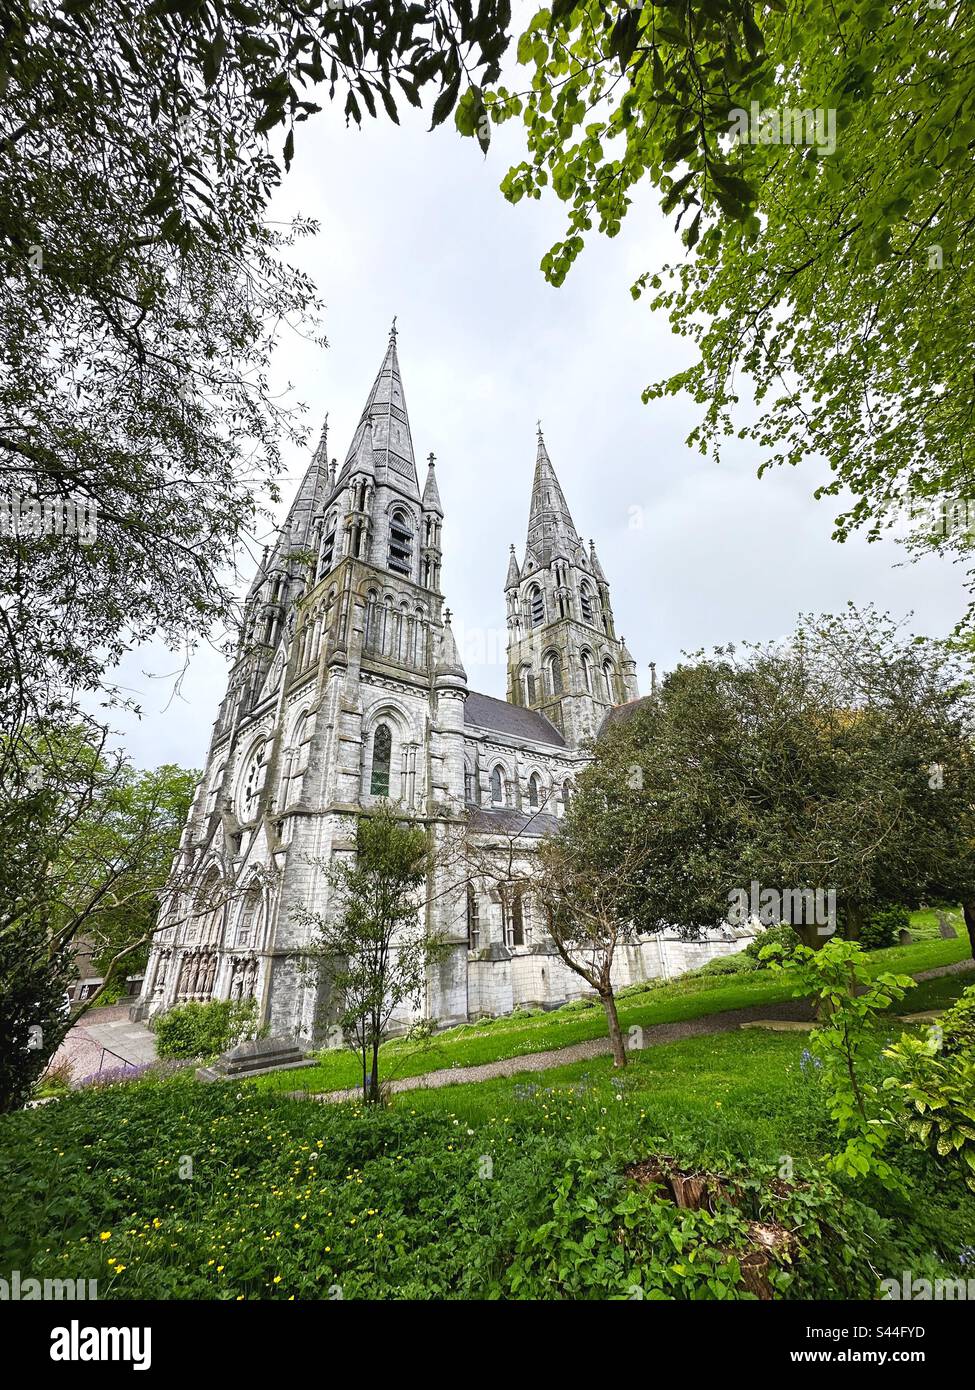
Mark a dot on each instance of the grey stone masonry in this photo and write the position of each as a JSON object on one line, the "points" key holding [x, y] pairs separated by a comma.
{"points": [[347, 690]]}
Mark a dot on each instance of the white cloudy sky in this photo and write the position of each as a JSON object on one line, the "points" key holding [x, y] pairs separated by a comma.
{"points": [[413, 224]]}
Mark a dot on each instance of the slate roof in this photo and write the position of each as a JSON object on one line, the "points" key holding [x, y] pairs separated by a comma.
{"points": [[506, 820], [619, 714], [485, 712]]}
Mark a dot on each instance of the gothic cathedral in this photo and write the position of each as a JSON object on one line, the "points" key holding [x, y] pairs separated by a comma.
{"points": [[346, 689]]}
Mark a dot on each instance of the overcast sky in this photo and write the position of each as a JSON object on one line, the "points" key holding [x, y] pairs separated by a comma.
{"points": [[413, 224]]}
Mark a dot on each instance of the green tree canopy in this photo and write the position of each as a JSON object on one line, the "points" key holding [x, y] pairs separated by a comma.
{"points": [[832, 277], [837, 762], [88, 843], [372, 942], [142, 291]]}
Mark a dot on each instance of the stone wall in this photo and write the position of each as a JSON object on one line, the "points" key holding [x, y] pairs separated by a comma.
{"points": [[501, 979]]}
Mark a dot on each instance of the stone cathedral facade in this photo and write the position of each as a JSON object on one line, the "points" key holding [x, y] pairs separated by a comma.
{"points": [[347, 688]]}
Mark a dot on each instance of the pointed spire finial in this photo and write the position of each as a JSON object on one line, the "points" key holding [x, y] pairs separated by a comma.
{"points": [[447, 615], [392, 329], [431, 458], [539, 428]]}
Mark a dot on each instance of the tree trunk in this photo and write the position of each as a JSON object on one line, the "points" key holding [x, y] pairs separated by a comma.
{"points": [[615, 1035], [968, 908], [374, 1077], [855, 918]]}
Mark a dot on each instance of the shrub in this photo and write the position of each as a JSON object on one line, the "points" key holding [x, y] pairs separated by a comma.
{"points": [[957, 1025], [737, 964], [883, 927], [204, 1030], [781, 935], [934, 1082], [849, 1002], [34, 1014], [752, 1235]]}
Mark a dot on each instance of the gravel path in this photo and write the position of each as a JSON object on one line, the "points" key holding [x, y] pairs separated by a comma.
{"points": [[793, 1010], [653, 1036]]}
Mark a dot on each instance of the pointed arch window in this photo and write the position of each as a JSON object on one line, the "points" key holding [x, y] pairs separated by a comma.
{"points": [[473, 919], [382, 752], [534, 791], [536, 605], [517, 917], [297, 759], [512, 914], [587, 671], [327, 553], [401, 542], [553, 673], [253, 783], [526, 677], [609, 680], [499, 788], [373, 623], [585, 600]]}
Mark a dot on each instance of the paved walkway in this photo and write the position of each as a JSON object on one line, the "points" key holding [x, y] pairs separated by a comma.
{"points": [[105, 1038], [792, 1010]]}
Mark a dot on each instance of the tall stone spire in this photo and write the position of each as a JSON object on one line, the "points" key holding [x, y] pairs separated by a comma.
{"points": [[392, 441], [297, 532], [551, 530], [564, 658]]}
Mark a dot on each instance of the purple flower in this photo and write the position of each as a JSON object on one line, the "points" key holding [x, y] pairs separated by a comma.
{"points": [[109, 1076]]}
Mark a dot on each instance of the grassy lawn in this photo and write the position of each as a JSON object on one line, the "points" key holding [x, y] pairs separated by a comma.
{"points": [[743, 1093], [660, 1002], [513, 1188], [924, 925], [936, 994]]}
